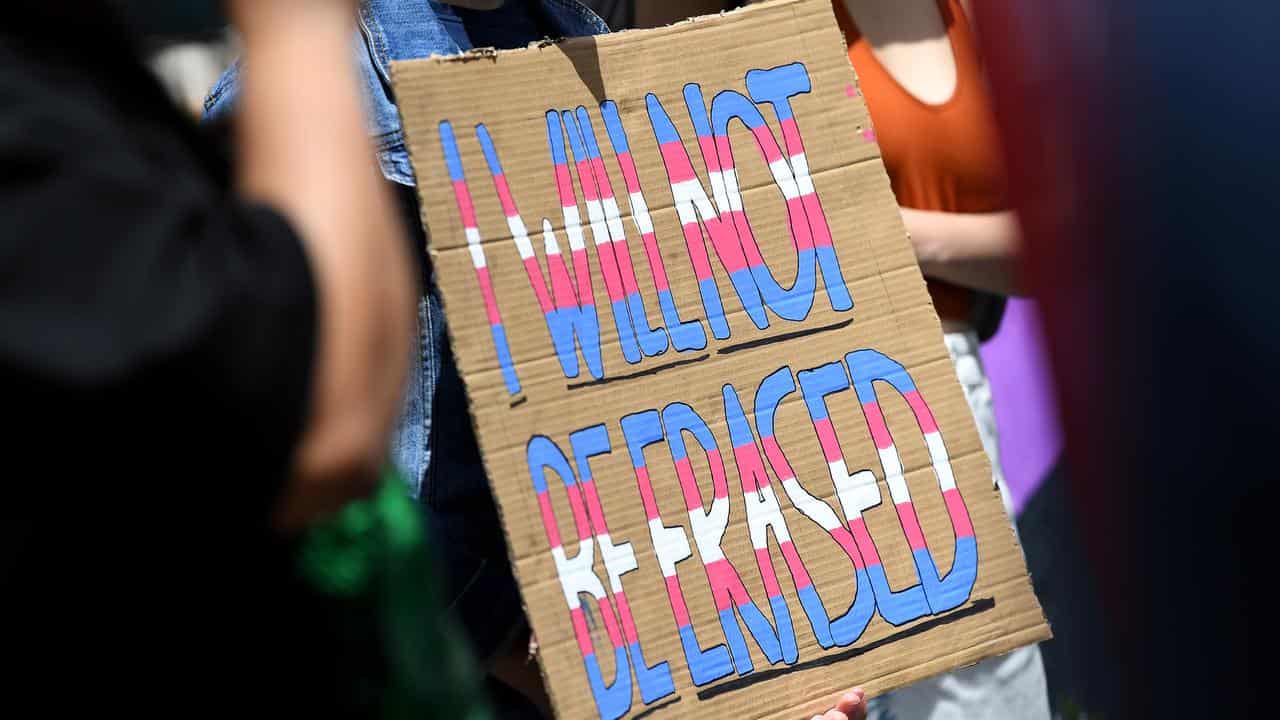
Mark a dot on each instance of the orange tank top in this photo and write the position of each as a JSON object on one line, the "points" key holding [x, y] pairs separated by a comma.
{"points": [[939, 157]]}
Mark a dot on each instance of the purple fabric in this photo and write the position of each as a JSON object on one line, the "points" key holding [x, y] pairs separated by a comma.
{"points": [[1026, 408]]}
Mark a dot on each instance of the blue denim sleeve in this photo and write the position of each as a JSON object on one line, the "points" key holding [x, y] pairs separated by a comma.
{"points": [[410, 441], [224, 95]]}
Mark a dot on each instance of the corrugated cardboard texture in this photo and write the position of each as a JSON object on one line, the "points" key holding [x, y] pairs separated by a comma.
{"points": [[940, 623]]}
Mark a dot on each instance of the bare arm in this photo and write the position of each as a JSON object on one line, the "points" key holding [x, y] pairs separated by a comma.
{"points": [[977, 250], [303, 148]]}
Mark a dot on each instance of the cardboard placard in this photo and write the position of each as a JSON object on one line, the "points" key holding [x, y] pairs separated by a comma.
{"points": [[735, 468]]}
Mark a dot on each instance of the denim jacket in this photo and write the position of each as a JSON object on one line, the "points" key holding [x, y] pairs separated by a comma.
{"points": [[433, 437]]}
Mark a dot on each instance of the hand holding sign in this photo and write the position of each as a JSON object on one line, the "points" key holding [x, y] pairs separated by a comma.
{"points": [[852, 706]]}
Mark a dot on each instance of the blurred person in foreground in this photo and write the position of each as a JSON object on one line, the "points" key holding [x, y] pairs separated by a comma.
{"points": [[1151, 248], [921, 76], [434, 443], [199, 360]]}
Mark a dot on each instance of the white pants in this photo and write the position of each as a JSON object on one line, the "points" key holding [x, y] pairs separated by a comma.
{"points": [[1009, 687]]}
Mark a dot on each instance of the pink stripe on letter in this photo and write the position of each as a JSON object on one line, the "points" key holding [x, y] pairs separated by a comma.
{"points": [[594, 509], [827, 439], [865, 544], [777, 459], [817, 221], [697, 252], [656, 265], [579, 512], [565, 185], [725, 151], [629, 172], [549, 520], [708, 146], [560, 283], [580, 630], [875, 423], [767, 143], [688, 485], [801, 239], [609, 268], [767, 573], [750, 250], [490, 301], [923, 415], [587, 181], [723, 579], [504, 196], [582, 272], [465, 208], [678, 607], [791, 136], [628, 624], [720, 486], [795, 565], [610, 621], [534, 270], [623, 255], [911, 525], [677, 162], [602, 178], [959, 513], [646, 493], [845, 540]]}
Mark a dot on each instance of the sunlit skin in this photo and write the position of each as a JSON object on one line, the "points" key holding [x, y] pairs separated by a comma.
{"points": [[306, 92], [974, 250]]}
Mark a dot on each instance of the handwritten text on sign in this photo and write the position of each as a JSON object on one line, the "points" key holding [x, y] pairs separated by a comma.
{"points": [[678, 376], [568, 304], [570, 308]]}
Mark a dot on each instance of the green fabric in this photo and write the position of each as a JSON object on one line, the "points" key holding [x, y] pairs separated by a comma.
{"points": [[376, 551]]}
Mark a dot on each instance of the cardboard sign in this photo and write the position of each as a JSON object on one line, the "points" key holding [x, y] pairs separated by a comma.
{"points": [[736, 472]]}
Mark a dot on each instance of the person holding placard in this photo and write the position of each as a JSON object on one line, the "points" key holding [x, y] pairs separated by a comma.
{"points": [[921, 76], [434, 443]]}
